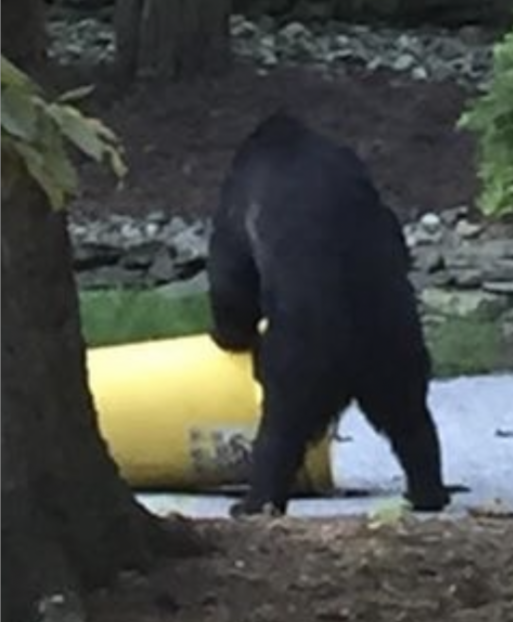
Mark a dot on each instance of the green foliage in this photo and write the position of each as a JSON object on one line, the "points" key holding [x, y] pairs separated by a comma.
{"points": [[491, 118], [36, 133]]}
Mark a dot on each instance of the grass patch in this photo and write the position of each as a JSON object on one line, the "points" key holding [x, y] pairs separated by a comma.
{"points": [[465, 346], [459, 346], [121, 316]]}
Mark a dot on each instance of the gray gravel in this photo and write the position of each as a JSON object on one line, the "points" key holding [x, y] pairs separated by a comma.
{"points": [[424, 54]]}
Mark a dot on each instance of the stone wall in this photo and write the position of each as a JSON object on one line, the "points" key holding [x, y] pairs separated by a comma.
{"points": [[408, 12], [460, 268]]}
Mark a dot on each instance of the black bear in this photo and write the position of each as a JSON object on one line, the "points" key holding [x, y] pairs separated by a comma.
{"points": [[302, 238]]}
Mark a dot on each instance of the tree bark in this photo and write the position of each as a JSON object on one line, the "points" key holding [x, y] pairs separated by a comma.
{"points": [[23, 31], [172, 39], [68, 522]]}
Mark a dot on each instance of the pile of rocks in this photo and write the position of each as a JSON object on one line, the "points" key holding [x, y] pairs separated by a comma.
{"points": [[451, 251], [423, 54], [89, 40], [428, 54], [448, 251], [462, 268], [459, 267], [121, 251]]}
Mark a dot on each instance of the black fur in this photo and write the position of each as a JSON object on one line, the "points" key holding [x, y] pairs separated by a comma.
{"points": [[302, 238]]}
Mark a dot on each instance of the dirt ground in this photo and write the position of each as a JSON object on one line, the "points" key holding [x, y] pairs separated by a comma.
{"points": [[179, 139], [339, 570]]}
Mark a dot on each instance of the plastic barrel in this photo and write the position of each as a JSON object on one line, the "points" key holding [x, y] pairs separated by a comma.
{"points": [[182, 414]]}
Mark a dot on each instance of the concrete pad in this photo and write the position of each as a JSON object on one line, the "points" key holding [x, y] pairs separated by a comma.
{"points": [[475, 420]]}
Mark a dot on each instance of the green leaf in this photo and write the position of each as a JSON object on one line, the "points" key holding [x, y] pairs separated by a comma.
{"points": [[19, 114], [38, 132], [104, 131], [76, 94], [117, 163], [12, 76], [34, 161], [490, 117], [79, 130]]}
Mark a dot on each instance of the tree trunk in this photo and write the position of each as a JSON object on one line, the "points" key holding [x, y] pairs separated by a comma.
{"points": [[172, 39], [69, 522], [23, 31]]}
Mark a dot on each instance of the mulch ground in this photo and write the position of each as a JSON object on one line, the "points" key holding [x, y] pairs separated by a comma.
{"points": [[180, 138], [328, 570]]}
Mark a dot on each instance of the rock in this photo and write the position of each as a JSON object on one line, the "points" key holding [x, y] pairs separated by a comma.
{"points": [[131, 233], [294, 31], [403, 62], [142, 255], [242, 28], [500, 270], [189, 245], [430, 223], [175, 226], [422, 236], [266, 53], [466, 278], [499, 287], [428, 259], [468, 230], [462, 303], [61, 607], [451, 216], [296, 41], [91, 255], [162, 269], [419, 73]]}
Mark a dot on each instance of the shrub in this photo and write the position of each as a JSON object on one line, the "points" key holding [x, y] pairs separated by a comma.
{"points": [[491, 118]]}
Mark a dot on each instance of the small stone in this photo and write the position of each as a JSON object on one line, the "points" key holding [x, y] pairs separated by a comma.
{"points": [[151, 229], [499, 287], [162, 269], [129, 232], [90, 255], [428, 259], [342, 40], [294, 31], [430, 222], [403, 62], [466, 278], [423, 236], [242, 28], [467, 229], [499, 270], [189, 245], [419, 73], [141, 255], [451, 216]]}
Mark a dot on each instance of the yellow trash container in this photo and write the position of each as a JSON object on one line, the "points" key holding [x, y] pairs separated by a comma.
{"points": [[181, 414]]}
